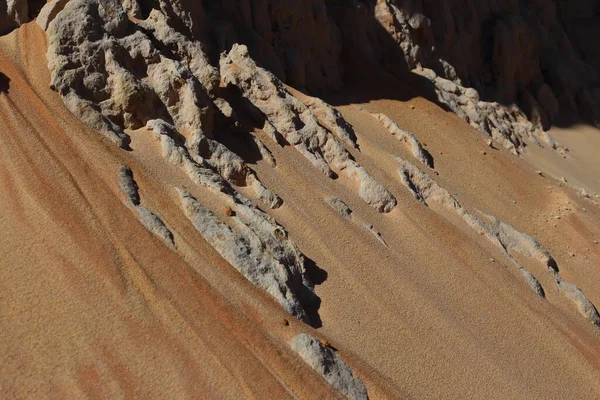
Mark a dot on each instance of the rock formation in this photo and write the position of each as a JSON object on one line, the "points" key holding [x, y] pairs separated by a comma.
{"points": [[340, 207], [504, 236], [408, 138], [298, 125], [513, 53], [326, 363], [509, 69], [13, 13], [260, 250], [146, 217]]}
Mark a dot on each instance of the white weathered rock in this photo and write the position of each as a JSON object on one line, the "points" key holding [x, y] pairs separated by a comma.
{"points": [[408, 138], [212, 155], [340, 207], [327, 364], [332, 119], [148, 219], [260, 250], [49, 12], [581, 301], [293, 120]]}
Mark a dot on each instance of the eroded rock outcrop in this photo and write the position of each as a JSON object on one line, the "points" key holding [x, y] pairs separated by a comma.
{"points": [[332, 119], [504, 236], [297, 124], [150, 221], [125, 75], [408, 138], [507, 52], [13, 13], [260, 249], [326, 363], [229, 166], [508, 69]]}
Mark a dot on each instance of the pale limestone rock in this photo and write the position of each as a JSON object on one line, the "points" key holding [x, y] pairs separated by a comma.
{"points": [[260, 250], [293, 120], [325, 362]]}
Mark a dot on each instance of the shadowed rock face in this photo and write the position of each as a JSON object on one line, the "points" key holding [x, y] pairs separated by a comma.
{"points": [[12, 14], [507, 68]]}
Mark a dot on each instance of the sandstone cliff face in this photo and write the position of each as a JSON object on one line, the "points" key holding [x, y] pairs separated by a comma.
{"points": [[527, 53], [12, 14], [507, 68]]}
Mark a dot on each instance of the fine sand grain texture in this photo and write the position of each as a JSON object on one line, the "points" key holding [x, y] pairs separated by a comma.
{"points": [[94, 305]]}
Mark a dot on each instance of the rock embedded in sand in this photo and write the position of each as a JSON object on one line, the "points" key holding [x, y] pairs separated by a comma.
{"points": [[332, 119], [298, 124], [426, 190], [260, 250], [325, 362], [504, 236], [408, 138], [581, 301], [150, 221], [340, 207]]}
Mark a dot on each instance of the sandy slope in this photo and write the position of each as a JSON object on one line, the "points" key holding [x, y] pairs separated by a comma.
{"points": [[93, 304]]}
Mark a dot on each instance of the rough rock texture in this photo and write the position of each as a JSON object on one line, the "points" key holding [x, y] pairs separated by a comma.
{"points": [[508, 69], [326, 363], [126, 75], [408, 138], [581, 301], [426, 190], [506, 237], [202, 171], [13, 13], [332, 119], [260, 250], [297, 124], [528, 53], [340, 207], [49, 12], [146, 217]]}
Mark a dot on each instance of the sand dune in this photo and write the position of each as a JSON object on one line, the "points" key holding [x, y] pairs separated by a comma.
{"points": [[92, 304]]}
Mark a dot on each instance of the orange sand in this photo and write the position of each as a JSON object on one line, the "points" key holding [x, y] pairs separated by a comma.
{"points": [[91, 304]]}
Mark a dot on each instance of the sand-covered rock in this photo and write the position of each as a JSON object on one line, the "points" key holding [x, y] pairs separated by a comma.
{"points": [[426, 190], [150, 220], [297, 124], [326, 363], [503, 235], [259, 249], [581, 301], [340, 206], [408, 138]]}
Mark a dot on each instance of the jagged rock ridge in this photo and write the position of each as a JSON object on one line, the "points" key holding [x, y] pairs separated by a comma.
{"points": [[260, 249], [504, 236], [150, 221]]}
